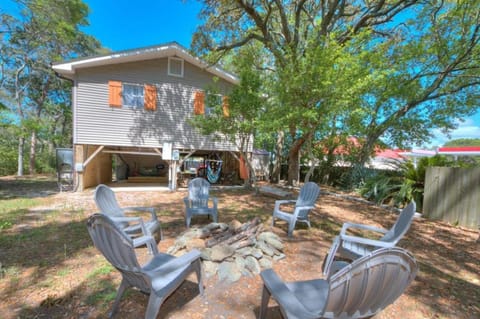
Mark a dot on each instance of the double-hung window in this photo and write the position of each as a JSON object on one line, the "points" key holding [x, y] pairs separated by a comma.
{"points": [[133, 96], [212, 101], [204, 105]]}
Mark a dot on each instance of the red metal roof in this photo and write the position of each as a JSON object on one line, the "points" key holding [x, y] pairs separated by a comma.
{"points": [[389, 153], [456, 149]]}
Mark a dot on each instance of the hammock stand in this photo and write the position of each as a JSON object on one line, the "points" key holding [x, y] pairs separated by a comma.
{"points": [[213, 175]]}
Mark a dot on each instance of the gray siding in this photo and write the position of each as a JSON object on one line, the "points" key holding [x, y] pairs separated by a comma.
{"points": [[99, 124]]}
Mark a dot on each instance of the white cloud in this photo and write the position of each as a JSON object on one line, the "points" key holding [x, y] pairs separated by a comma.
{"points": [[470, 128]]}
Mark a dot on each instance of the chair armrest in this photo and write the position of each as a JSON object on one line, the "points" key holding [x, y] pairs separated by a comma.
{"points": [[330, 257], [366, 241], [347, 226], [174, 264], [283, 202], [215, 202], [137, 220], [151, 210], [146, 240], [299, 208], [284, 297]]}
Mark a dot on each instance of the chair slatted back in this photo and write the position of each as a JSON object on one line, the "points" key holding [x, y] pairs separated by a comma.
{"points": [[402, 224], [307, 197], [117, 248], [198, 192], [106, 201], [370, 284]]}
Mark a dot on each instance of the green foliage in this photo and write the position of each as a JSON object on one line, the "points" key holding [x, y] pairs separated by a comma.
{"points": [[45, 162], [12, 209], [5, 224], [355, 176], [403, 184], [44, 32], [376, 70], [245, 106], [8, 145], [464, 142]]}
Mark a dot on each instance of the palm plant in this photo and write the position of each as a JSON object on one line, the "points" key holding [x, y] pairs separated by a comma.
{"points": [[403, 184]]}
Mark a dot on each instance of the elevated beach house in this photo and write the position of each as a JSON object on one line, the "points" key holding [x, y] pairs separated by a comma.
{"points": [[131, 112]]}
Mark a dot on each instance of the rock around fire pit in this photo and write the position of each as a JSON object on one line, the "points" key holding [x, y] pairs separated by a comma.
{"points": [[231, 250]]}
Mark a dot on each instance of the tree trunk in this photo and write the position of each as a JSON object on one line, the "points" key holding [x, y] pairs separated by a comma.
{"points": [[357, 172], [326, 166], [33, 147], [367, 149], [313, 163], [21, 144], [251, 181], [294, 162], [293, 167], [277, 166], [311, 170]]}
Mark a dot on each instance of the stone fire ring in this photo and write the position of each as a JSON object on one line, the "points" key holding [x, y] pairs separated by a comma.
{"points": [[232, 250]]}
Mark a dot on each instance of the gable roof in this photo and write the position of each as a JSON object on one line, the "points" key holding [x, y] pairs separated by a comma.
{"points": [[173, 49]]}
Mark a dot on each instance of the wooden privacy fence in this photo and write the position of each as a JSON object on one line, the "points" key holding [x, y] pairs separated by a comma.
{"points": [[453, 194]]}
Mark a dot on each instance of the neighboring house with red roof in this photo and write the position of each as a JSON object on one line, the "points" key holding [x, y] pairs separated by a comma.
{"points": [[382, 159], [386, 159], [415, 154], [456, 151]]}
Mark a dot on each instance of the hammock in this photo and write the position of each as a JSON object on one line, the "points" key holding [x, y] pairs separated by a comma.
{"points": [[213, 175]]}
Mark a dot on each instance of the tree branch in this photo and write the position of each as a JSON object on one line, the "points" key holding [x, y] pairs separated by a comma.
{"points": [[284, 22]]}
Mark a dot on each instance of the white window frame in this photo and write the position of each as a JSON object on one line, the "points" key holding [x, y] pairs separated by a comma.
{"points": [[169, 67], [134, 107]]}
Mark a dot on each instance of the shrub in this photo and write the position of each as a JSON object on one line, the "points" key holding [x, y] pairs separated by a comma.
{"points": [[403, 184]]}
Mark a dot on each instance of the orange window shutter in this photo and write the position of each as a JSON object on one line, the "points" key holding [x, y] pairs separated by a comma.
{"points": [[243, 168], [199, 103], [115, 93], [225, 106], [150, 96]]}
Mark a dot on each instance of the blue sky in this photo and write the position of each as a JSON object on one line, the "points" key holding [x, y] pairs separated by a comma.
{"points": [[126, 24]]}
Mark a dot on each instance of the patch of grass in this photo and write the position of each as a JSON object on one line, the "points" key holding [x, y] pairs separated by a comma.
{"points": [[49, 282], [6, 224], [248, 214], [63, 272], [105, 269], [167, 213], [12, 211], [12, 273], [102, 296], [103, 288], [32, 234], [17, 204]]}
